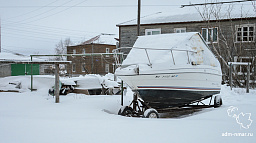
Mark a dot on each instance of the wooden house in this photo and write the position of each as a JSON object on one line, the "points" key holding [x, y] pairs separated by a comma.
{"points": [[230, 37]]}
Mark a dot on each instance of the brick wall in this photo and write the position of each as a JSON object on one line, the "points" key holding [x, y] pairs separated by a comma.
{"points": [[91, 64]]}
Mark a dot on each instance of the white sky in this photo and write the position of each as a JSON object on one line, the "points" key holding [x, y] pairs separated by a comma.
{"points": [[35, 27]]}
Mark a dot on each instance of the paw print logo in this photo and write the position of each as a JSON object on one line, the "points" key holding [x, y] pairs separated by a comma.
{"points": [[243, 119], [232, 111]]}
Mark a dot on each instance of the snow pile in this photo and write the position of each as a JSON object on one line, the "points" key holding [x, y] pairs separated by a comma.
{"points": [[68, 81], [30, 117], [108, 81], [46, 82], [87, 82], [95, 81], [40, 82]]}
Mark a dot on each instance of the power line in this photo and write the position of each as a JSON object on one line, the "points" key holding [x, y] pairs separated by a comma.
{"points": [[22, 36], [212, 3], [43, 32], [59, 11], [33, 10], [92, 6], [52, 29], [44, 12]]}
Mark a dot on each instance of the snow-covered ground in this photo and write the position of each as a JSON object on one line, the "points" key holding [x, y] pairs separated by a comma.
{"points": [[33, 117]]}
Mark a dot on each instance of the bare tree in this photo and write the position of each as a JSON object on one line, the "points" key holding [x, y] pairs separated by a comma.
{"points": [[61, 48], [227, 46], [207, 12]]}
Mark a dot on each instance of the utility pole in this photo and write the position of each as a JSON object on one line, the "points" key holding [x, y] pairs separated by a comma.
{"points": [[138, 22]]}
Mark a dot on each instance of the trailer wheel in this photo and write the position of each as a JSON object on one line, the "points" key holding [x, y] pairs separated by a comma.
{"points": [[125, 111], [151, 113], [217, 101]]}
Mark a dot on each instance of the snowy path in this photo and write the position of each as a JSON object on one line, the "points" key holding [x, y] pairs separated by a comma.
{"points": [[33, 117]]}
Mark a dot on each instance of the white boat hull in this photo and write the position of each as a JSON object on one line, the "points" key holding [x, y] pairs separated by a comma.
{"points": [[175, 87]]}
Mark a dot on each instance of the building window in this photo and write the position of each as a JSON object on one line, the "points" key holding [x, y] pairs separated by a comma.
{"points": [[74, 51], [152, 31], [107, 68], [210, 34], [83, 67], [107, 51], [245, 33], [83, 52], [73, 67], [179, 30]]}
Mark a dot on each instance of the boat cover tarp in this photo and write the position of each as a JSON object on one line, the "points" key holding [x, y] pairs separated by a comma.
{"points": [[165, 50]]}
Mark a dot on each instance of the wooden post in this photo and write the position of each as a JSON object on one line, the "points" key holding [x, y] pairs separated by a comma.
{"points": [[230, 76], [31, 74], [57, 88], [248, 78]]}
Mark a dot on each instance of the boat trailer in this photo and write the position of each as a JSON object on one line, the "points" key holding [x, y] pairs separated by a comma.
{"points": [[138, 108]]}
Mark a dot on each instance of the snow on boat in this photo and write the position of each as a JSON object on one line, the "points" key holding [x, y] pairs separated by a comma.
{"points": [[171, 70]]}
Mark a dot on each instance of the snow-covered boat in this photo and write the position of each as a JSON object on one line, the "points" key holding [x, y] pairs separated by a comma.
{"points": [[170, 70]]}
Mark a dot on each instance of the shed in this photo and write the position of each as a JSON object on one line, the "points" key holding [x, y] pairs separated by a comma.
{"points": [[17, 68]]}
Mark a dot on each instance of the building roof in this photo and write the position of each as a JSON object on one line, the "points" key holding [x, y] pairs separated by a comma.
{"points": [[108, 39], [165, 17], [16, 57]]}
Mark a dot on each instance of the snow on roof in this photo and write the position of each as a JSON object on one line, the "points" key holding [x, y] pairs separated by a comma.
{"points": [[88, 82], [108, 39], [16, 57], [165, 17]]}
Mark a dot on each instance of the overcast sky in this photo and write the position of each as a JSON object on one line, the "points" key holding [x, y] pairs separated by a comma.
{"points": [[36, 26]]}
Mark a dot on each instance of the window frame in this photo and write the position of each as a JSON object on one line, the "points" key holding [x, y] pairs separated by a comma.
{"points": [[83, 67], [242, 36], [74, 67], [107, 68], [176, 29], [152, 30], [107, 51], [83, 51], [211, 36]]}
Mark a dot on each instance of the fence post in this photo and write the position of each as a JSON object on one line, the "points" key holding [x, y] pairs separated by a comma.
{"points": [[230, 75], [122, 93], [31, 76], [57, 88], [248, 78]]}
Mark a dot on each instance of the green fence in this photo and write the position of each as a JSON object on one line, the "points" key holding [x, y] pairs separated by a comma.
{"points": [[24, 69]]}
